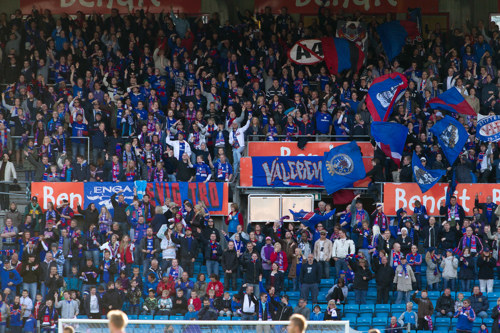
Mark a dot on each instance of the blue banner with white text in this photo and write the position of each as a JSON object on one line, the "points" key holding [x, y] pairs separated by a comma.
{"points": [[287, 171]]}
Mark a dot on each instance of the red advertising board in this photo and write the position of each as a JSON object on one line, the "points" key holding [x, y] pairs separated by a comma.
{"points": [[105, 6], [57, 192], [365, 6], [291, 148], [404, 195]]}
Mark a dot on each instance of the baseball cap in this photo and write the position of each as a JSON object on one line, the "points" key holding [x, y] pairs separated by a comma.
{"points": [[268, 238], [35, 198], [423, 159]]}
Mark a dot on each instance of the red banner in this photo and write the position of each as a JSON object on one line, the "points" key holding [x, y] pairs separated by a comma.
{"points": [[404, 195], [291, 148], [350, 6], [105, 6], [57, 192]]}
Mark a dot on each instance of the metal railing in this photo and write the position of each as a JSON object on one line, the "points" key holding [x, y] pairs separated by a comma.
{"points": [[316, 137]]}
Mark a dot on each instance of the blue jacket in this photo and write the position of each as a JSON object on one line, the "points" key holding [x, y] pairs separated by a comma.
{"points": [[465, 319], [10, 275]]}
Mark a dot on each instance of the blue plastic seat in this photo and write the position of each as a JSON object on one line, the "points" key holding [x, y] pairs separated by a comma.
{"points": [[236, 318], [442, 320], [488, 322], [363, 328], [364, 321], [379, 321], [145, 317], [398, 308], [176, 317], [366, 308], [160, 317], [351, 308], [351, 317]]}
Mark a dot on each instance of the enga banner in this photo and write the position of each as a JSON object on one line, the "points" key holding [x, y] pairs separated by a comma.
{"points": [[404, 195], [365, 6], [214, 195], [105, 6]]}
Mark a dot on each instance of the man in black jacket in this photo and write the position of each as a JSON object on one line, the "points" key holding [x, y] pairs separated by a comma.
{"points": [[93, 313], [445, 305], [207, 312], [149, 246], [384, 274], [113, 298], [285, 311], [229, 261], [188, 250], [310, 277], [253, 272], [119, 207], [81, 171]]}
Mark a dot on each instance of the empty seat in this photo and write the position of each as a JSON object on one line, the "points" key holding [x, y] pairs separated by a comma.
{"points": [[366, 308]]}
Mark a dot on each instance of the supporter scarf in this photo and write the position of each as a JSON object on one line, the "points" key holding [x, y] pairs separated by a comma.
{"points": [[360, 215], [213, 246], [219, 139], [115, 171], [158, 175], [196, 142], [48, 316], [435, 261], [279, 260], [130, 176], [174, 272], [405, 271], [429, 322], [396, 259], [105, 275], [470, 243], [333, 313], [46, 150], [236, 143], [453, 213], [271, 130], [3, 143], [381, 220]]}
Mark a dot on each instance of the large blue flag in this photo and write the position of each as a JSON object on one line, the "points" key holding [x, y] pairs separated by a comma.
{"points": [[393, 36], [310, 219], [391, 138], [451, 136], [343, 166], [426, 179], [384, 92]]}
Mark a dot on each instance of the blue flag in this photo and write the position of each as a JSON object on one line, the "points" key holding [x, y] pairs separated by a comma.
{"points": [[426, 179], [310, 219], [391, 138], [393, 36], [451, 136], [384, 92], [342, 166]]}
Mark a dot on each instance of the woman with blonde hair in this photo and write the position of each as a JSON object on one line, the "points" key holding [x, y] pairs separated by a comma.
{"points": [[294, 273], [130, 172], [126, 254], [331, 312]]}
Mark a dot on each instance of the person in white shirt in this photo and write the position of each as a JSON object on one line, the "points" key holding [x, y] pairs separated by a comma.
{"points": [[26, 304], [237, 141], [180, 146], [168, 247], [341, 248]]}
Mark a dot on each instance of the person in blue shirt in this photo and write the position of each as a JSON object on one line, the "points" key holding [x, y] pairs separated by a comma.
{"points": [[203, 172], [323, 120], [16, 321], [317, 315], [466, 317], [9, 277], [223, 170], [408, 317]]}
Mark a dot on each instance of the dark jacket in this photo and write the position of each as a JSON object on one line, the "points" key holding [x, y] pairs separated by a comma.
{"points": [[361, 275], [310, 273], [209, 255], [119, 210], [384, 275], [229, 260], [113, 300], [86, 304], [495, 315], [39, 168], [485, 268], [467, 269], [253, 271], [81, 172], [284, 312], [29, 273], [207, 313], [406, 174], [144, 244], [479, 303], [450, 238], [185, 253], [445, 303]]}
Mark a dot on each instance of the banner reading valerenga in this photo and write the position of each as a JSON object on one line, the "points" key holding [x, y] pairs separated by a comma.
{"points": [[404, 195], [105, 6]]}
